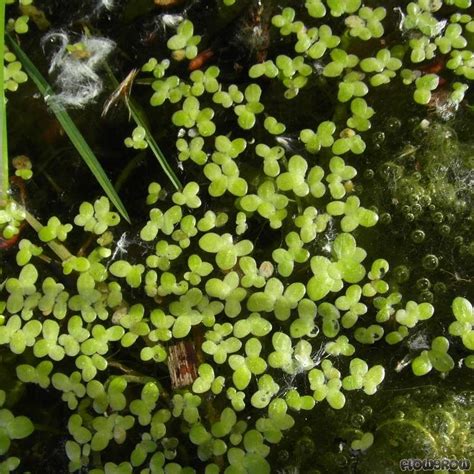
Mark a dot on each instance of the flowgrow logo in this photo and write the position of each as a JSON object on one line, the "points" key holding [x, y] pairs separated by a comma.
{"points": [[413, 464]]}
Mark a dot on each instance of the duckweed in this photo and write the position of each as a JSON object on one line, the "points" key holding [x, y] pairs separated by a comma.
{"points": [[261, 290]]}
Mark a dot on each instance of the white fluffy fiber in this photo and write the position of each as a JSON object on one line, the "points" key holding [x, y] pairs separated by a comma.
{"points": [[77, 81], [108, 4]]}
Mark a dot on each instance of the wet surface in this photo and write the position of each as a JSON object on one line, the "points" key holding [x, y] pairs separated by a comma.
{"points": [[419, 179]]}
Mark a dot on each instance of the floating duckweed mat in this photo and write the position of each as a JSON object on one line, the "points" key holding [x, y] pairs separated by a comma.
{"points": [[293, 291]]}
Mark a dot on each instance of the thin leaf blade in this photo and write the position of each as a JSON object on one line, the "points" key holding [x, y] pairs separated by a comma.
{"points": [[71, 130], [140, 121], [4, 173]]}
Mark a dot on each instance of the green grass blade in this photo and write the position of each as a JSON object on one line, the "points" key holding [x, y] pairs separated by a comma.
{"points": [[138, 118], [4, 178], [71, 130]]}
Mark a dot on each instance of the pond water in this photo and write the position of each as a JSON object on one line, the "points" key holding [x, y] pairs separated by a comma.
{"points": [[254, 264]]}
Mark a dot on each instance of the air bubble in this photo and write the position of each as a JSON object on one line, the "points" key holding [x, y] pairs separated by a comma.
{"points": [[304, 447], [441, 422], [450, 218], [460, 206], [425, 200], [418, 236], [439, 288], [445, 230], [385, 218], [357, 420], [405, 209], [369, 174], [426, 297], [423, 284], [378, 138], [391, 171], [416, 209], [283, 455], [401, 273], [430, 262], [393, 124]]}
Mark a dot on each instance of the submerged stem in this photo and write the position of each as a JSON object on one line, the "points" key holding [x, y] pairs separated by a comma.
{"points": [[60, 250]]}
